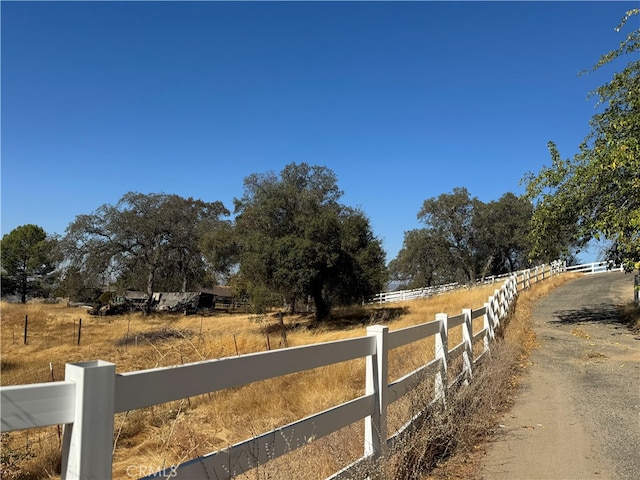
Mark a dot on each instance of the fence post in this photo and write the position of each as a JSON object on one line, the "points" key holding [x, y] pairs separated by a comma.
{"points": [[506, 296], [375, 431], [489, 335], [467, 338], [636, 289], [495, 308], [442, 353], [499, 295], [512, 291], [87, 443]]}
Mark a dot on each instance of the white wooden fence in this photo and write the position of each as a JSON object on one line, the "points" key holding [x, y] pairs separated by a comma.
{"points": [[403, 295], [595, 267], [86, 401]]}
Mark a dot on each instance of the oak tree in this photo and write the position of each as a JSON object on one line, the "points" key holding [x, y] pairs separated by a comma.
{"points": [[297, 239], [450, 217], [423, 260], [145, 241], [464, 239], [502, 227]]}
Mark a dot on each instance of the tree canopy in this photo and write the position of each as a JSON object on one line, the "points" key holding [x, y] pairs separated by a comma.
{"points": [[423, 261], [144, 242], [464, 239], [29, 258], [450, 217], [296, 239], [503, 228], [596, 194]]}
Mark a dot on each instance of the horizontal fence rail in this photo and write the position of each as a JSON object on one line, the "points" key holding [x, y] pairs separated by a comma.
{"points": [[404, 295], [37, 405], [93, 393], [159, 385], [595, 267]]}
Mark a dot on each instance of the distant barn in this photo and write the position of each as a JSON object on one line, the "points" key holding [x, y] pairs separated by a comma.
{"points": [[223, 296], [133, 298], [179, 301], [203, 299]]}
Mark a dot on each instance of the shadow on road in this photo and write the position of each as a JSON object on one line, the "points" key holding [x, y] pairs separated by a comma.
{"points": [[602, 313]]}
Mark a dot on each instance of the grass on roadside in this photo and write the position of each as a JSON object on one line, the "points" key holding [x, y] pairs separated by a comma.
{"points": [[630, 315]]}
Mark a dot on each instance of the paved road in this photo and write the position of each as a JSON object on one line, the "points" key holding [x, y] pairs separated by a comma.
{"points": [[578, 415]]}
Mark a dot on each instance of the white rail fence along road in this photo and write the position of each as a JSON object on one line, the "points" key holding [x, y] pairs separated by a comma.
{"points": [[403, 295], [86, 401], [594, 267]]}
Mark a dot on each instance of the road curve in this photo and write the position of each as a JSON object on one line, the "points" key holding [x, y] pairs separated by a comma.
{"points": [[578, 413]]}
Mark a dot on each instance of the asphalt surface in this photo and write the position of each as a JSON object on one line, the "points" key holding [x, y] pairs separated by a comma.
{"points": [[578, 413]]}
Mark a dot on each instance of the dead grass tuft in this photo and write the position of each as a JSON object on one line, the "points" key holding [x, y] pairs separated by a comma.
{"points": [[630, 315], [154, 336]]}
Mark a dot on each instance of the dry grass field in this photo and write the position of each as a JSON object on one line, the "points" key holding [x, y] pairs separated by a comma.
{"points": [[167, 434]]}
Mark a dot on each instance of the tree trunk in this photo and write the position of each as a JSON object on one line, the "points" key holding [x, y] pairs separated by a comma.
{"points": [[471, 273], [322, 307], [150, 277], [23, 288], [183, 272], [292, 304]]}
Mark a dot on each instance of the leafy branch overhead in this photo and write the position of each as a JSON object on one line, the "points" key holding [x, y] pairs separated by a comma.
{"points": [[596, 194]]}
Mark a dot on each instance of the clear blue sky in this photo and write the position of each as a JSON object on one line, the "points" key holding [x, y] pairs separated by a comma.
{"points": [[402, 100]]}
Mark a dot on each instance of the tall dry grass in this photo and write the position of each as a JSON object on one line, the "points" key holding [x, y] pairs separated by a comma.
{"points": [[171, 433]]}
